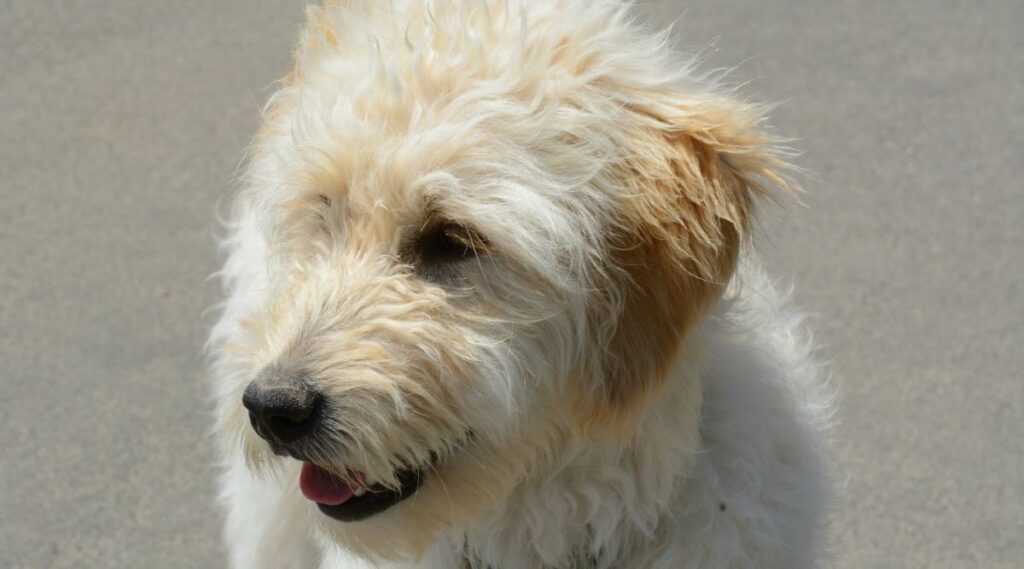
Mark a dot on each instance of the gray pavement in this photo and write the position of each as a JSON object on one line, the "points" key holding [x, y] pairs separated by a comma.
{"points": [[123, 122]]}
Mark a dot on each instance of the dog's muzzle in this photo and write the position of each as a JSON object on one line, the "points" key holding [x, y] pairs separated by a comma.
{"points": [[285, 409]]}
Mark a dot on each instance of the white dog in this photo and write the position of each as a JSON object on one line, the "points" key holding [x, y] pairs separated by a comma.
{"points": [[490, 306]]}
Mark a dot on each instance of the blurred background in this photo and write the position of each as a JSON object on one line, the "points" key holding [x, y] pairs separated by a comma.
{"points": [[123, 122]]}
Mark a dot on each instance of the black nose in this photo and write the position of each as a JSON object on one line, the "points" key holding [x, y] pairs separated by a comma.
{"points": [[282, 406]]}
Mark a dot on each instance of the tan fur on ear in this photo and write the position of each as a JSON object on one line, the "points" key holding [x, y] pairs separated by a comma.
{"points": [[692, 173]]}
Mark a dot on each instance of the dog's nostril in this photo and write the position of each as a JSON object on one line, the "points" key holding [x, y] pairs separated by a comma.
{"points": [[281, 408], [288, 426]]}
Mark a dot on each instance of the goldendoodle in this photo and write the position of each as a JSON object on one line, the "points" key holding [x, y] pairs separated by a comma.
{"points": [[492, 304]]}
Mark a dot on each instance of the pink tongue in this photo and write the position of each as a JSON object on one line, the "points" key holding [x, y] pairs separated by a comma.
{"points": [[323, 487]]}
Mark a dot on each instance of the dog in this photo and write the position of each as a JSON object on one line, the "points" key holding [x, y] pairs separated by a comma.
{"points": [[492, 303]]}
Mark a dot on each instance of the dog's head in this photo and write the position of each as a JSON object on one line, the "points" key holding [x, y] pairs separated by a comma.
{"points": [[480, 232]]}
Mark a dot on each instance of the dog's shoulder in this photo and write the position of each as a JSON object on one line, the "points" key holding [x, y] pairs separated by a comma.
{"points": [[761, 479]]}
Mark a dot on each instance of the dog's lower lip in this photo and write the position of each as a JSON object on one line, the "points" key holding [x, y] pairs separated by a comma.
{"points": [[338, 500]]}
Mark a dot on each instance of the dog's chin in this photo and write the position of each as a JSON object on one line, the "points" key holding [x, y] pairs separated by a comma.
{"points": [[452, 492], [353, 498]]}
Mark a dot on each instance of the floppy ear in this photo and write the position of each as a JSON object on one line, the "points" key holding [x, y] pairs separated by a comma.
{"points": [[692, 169]]}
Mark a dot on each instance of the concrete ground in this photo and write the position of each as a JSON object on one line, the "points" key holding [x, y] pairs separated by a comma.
{"points": [[123, 121]]}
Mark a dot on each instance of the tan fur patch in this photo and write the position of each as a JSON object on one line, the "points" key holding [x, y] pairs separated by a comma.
{"points": [[692, 189]]}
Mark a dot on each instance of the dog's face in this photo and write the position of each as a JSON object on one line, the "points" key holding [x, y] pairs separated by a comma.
{"points": [[480, 246]]}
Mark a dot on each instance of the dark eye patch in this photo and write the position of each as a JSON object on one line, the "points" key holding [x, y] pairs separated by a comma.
{"points": [[448, 242], [441, 245]]}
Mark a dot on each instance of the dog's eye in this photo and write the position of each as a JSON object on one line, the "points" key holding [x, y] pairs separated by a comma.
{"points": [[449, 242], [322, 207], [440, 247]]}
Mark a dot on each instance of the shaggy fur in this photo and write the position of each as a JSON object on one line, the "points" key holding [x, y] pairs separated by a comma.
{"points": [[606, 379]]}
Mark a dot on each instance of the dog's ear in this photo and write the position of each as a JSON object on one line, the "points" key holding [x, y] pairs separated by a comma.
{"points": [[692, 168]]}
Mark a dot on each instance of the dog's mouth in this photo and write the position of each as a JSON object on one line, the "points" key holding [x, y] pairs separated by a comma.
{"points": [[355, 500]]}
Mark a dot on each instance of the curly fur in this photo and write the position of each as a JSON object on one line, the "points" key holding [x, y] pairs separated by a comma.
{"points": [[612, 381]]}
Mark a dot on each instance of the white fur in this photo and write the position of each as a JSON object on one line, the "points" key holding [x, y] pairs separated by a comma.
{"points": [[722, 469]]}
